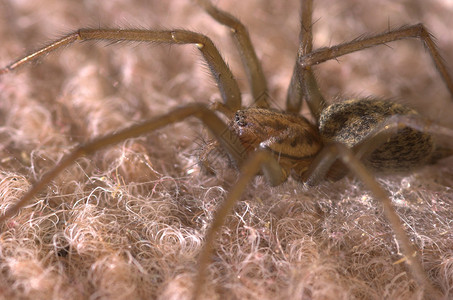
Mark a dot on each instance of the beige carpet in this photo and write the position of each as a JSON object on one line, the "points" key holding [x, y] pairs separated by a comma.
{"points": [[128, 222]]}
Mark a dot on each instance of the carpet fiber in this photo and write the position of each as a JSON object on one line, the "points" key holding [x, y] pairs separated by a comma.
{"points": [[129, 221]]}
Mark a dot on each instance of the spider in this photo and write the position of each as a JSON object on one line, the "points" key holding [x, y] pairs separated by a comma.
{"points": [[283, 137]]}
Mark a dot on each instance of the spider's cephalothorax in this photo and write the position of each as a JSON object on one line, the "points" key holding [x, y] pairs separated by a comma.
{"points": [[291, 138], [295, 142], [349, 136]]}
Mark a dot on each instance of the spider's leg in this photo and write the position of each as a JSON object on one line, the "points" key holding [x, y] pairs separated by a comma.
{"points": [[294, 95], [252, 66], [414, 31], [219, 129], [269, 166], [225, 80], [261, 159], [322, 164], [303, 82]]}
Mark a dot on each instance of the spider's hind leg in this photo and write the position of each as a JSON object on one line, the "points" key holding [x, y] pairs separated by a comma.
{"points": [[387, 142], [417, 31], [348, 158]]}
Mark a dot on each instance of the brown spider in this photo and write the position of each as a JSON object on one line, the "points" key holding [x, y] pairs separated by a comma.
{"points": [[380, 140]]}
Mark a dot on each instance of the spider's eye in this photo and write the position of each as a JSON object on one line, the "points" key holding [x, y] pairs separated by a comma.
{"points": [[239, 118]]}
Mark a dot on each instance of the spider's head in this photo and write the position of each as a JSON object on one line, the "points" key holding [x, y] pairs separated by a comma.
{"points": [[252, 125]]}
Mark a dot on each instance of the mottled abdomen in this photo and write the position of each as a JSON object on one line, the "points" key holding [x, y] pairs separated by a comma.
{"points": [[349, 121]]}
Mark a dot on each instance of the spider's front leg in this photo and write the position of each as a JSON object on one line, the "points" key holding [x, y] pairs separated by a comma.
{"points": [[261, 160], [227, 85], [218, 128], [250, 61]]}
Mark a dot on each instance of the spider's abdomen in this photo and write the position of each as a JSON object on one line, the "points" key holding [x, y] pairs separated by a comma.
{"points": [[350, 121]]}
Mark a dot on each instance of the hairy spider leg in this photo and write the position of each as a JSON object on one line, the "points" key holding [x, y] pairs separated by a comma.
{"points": [[307, 57], [196, 110], [261, 159], [303, 83], [227, 85], [323, 162], [413, 31], [250, 61], [320, 167], [217, 127]]}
